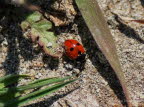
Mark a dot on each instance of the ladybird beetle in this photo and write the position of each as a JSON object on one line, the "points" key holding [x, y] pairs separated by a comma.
{"points": [[74, 50]]}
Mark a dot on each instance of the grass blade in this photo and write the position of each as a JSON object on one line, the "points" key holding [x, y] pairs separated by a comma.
{"points": [[6, 92], [101, 33], [40, 80], [37, 94], [10, 79], [42, 83], [36, 84]]}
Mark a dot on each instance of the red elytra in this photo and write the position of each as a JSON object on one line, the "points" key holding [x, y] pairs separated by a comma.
{"points": [[73, 49]]}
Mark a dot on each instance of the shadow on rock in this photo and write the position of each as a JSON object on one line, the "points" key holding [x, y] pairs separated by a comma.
{"points": [[142, 2], [128, 31], [16, 44], [51, 62]]}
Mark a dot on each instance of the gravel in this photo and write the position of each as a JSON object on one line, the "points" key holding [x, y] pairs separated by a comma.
{"points": [[98, 86]]}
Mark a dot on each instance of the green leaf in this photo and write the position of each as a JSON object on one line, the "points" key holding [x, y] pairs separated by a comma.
{"points": [[101, 33], [39, 32], [34, 17], [37, 94], [43, 25], [10, 79]]}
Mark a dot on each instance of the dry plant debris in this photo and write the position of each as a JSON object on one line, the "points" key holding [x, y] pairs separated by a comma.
{"points": [[17, 55]]}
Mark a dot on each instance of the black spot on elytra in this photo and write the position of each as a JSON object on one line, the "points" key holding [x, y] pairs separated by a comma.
{"points": [[78, 44], [71, 49]]}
